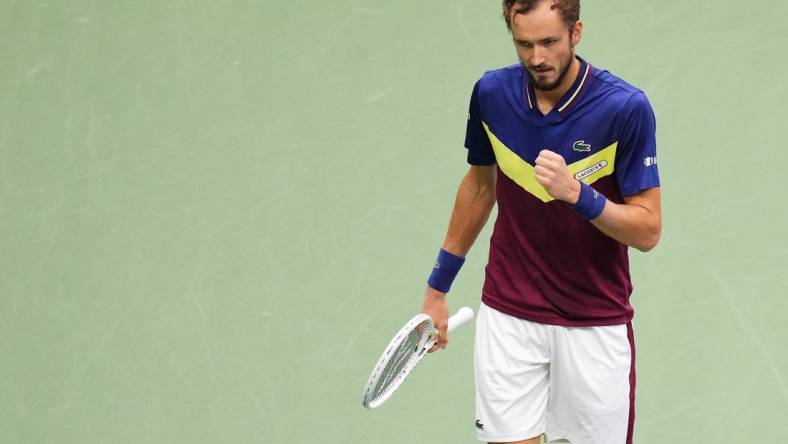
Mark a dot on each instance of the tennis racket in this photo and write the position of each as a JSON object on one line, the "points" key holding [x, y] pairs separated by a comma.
{"points": [[404, 351]]}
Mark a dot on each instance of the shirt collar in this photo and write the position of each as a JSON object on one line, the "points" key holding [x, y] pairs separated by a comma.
{"points": [[571, 97]]}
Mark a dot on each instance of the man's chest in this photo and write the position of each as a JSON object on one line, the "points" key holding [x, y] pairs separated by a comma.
{"points": [[574, 141], [588, 147]]}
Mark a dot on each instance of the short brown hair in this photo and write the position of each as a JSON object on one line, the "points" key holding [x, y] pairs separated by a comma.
{"points": [[569, 9]]}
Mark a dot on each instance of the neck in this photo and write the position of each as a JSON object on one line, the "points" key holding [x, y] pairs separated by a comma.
{"points": [[552, 97]]}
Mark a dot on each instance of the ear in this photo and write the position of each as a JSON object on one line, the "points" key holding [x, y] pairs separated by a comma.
{"points": [[577, 32]]}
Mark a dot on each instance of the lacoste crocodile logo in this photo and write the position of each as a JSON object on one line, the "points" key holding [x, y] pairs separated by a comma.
{"points": [[581, 146]]}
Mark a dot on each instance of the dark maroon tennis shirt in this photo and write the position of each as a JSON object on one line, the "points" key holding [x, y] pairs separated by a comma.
{"points": [[547, 264], [557, 268]]}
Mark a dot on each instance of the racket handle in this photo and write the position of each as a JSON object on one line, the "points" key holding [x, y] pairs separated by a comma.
{"points": [[462, 316]]}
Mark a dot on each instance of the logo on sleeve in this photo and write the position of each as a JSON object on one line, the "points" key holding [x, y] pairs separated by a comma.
{"points": [[581, 146], [650, 161], [479, 425]]}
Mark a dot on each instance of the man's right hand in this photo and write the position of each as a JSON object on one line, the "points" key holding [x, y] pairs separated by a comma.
{"points": [[437, 308]]}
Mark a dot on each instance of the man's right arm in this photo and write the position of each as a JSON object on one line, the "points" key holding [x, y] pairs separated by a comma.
{"points": [[472, 207]]}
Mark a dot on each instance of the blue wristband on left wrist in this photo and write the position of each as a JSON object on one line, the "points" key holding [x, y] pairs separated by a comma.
{"points": [[591, 202]]}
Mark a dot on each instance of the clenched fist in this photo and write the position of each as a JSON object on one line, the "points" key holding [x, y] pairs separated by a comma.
{"points": [[553, 174]]}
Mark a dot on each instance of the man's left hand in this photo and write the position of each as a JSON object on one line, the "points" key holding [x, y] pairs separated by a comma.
{"points": [[553, 174]]}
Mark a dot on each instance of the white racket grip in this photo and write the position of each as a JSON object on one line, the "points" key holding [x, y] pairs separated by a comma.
{"points": [[462, 316]]}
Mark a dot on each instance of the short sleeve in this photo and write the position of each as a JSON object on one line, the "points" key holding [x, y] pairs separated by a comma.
{"points": [[480, 151], [636, 157]]}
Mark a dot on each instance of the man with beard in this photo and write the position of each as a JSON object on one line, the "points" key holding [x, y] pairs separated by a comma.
{"points": [[568, 152]]}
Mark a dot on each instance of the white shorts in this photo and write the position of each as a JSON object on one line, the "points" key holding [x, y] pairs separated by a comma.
{"points": [[570, 383]]}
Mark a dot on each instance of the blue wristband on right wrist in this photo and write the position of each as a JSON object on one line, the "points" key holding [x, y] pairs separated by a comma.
{"points": [[591, 202], [446, 268]]}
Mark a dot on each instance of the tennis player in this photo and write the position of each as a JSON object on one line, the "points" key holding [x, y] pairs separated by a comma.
{"points": [[568, 152]]}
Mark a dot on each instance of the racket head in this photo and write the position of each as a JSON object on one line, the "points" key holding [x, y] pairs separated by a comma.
{"points": [[399, 358]]}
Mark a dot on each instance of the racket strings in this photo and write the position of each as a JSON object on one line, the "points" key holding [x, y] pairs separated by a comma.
{"points": [[400, 359]]}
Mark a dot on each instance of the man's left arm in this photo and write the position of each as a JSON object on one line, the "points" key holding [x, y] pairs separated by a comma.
{"points": [[637, 222]]}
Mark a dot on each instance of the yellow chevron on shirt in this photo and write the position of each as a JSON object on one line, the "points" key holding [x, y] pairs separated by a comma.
{"points": [[588, 170]]}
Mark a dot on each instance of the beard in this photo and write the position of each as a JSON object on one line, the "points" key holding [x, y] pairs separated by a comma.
{"points": [[544, 85]]}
